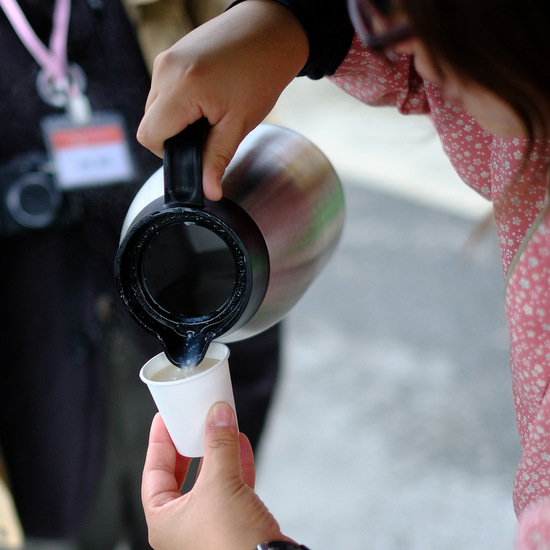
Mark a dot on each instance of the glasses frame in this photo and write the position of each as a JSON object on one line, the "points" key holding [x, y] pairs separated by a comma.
{"points": [[362, 14]]}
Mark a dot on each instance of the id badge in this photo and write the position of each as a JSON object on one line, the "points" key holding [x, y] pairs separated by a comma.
{"points": [[89, 155]]}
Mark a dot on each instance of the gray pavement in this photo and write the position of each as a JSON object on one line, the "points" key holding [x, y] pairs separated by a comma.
{"points": [[393, 426]]}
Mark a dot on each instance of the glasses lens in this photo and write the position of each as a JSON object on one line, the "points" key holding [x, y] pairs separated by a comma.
{"points": [[383, 7], [374, 22]]}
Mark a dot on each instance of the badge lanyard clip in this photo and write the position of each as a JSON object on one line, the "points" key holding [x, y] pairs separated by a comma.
{"points": [[59, 83]]}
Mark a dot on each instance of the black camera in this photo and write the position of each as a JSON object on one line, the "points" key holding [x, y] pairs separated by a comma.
{"points": [[30, 197]]}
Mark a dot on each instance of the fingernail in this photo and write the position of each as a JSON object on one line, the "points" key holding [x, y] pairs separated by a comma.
{"points": [[222, 415]]}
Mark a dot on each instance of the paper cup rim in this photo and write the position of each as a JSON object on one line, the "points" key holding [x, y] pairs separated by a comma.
{"points": [[223, 349]]}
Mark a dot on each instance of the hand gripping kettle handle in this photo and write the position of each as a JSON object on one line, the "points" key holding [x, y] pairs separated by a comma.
{"points": [[183, 165]]}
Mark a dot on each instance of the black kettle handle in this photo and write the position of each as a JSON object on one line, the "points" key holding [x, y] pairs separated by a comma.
{"points": [[183, 165]]}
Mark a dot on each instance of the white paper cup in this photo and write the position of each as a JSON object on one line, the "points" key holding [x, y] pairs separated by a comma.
{"points": [[184, 404]]}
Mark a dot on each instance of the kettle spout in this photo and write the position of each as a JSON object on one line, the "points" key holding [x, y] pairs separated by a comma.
{"points": [[186, 350]]}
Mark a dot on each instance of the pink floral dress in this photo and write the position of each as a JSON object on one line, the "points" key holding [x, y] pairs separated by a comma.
{"points": [[494, 167]]}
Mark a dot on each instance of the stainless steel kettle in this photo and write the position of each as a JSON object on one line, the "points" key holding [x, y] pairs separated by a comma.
{"points": [[191, 270]]}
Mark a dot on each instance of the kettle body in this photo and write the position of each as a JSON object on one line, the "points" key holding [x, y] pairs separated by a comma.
{"points": [[191, 270]]}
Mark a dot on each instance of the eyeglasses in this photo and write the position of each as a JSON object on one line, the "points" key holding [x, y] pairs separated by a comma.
{"points": [[374, 22]]}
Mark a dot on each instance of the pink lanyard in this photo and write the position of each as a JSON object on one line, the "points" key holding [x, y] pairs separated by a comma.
{"points": [[58, 83], [53, 60]]}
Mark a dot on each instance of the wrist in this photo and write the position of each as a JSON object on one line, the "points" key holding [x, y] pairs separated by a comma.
{"points": [[283, 29]]}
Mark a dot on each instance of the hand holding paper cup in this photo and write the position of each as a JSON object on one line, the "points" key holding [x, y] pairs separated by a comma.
{"points": [[184, 396]]}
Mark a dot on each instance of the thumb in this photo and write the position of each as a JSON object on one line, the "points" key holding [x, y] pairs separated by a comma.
{"points": [[222, 453]]}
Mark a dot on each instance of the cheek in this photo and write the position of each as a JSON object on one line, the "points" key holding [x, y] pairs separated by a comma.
{"points": [[492, 113]]}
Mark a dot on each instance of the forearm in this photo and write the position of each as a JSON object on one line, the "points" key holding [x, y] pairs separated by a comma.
{"points": [[277, 31], [328, 29]]}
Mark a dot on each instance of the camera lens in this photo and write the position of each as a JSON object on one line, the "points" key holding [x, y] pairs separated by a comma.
{"points": [[33, 201]]}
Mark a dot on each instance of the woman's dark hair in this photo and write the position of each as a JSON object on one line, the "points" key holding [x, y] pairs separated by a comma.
{"points": [[502, 45]]}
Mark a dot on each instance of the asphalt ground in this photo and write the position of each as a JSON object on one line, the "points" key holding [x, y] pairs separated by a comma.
{"points": [[394, 426]]}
